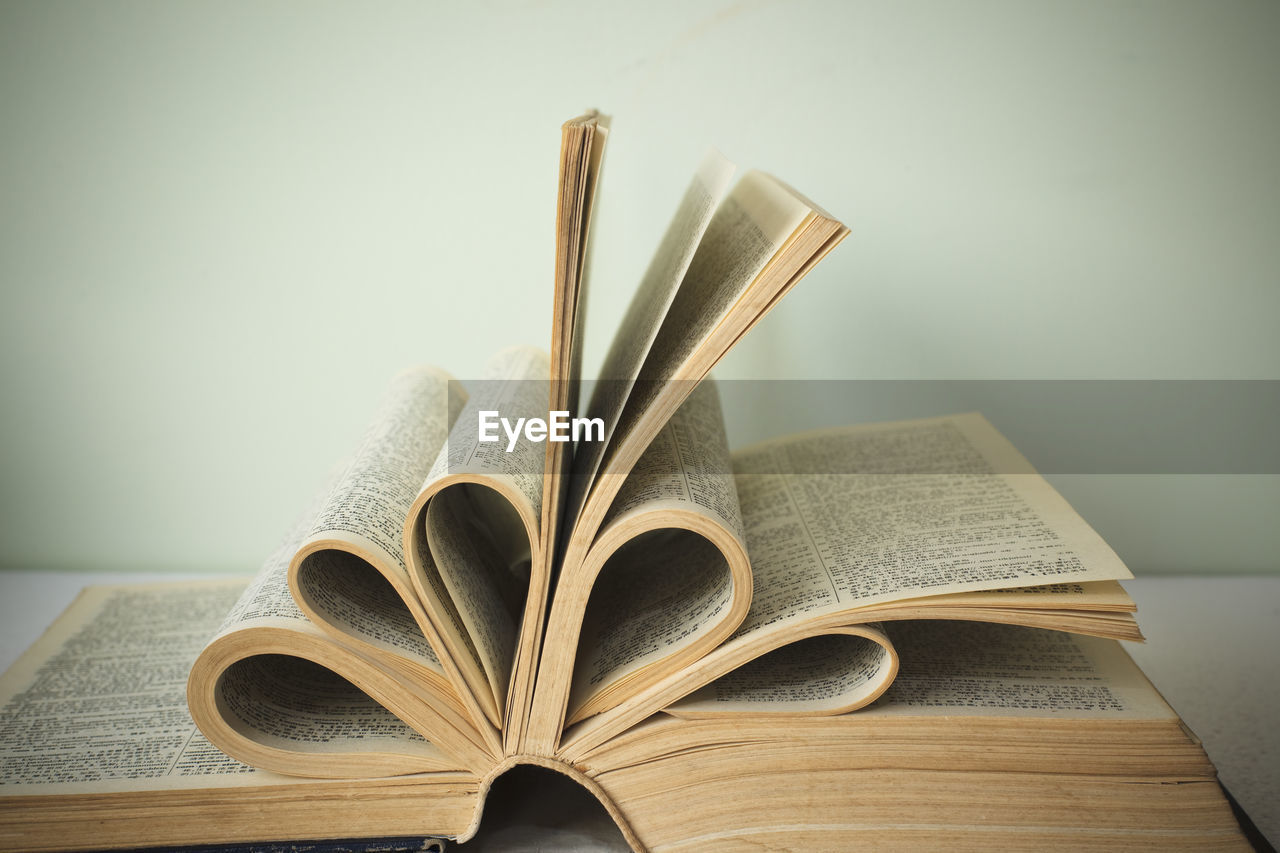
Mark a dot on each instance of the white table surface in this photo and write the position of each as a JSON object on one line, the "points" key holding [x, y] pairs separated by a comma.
{"points": [[1213, 650]]}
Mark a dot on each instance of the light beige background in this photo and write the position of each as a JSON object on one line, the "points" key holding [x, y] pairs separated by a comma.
{"points": [[224, 226]]}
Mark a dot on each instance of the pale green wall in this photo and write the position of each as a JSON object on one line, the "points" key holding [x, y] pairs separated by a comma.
{"points": [[225, 226]]}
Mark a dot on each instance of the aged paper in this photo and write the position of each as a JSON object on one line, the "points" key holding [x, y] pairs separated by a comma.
{"points": [[99, 706]]}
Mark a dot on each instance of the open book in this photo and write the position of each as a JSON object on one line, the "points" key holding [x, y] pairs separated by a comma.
{"points": [[991, 737], [464, 598], [509, 598]]}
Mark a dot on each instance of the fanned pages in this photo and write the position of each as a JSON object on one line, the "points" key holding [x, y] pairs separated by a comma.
{"points": [[581, 157], [552, 611], [497, 576], [472, 537]]}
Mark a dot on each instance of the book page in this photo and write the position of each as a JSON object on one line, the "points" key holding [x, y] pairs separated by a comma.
{"points": [[913, 509], [290, 703], [97, 705], [648, 310], [473, 527], [267, 601], [349, 595], [760, 241], [658, 593], [1095, 595], [747, 232], [360, 604], [349, 574], [582, 146], [668, 585], [272, 678], [514, 385], [470, 566], [367, 505], [752, 225], [827, 674], [840, 521], [686, 465], [981, 669], [448, 622], [274, 690], [352, 601]]}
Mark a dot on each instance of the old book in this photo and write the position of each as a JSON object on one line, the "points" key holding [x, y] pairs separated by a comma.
{"points": [[468, 595], [991, 737]]}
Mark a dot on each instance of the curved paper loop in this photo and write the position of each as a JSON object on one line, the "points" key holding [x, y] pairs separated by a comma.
{"points": [[322, 710], [831, 672]]}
